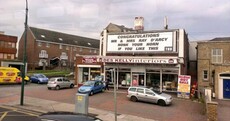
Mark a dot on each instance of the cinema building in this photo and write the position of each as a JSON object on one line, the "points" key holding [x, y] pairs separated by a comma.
{"points": [[148, 58]]}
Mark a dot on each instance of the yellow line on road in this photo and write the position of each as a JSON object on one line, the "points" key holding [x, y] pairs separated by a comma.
{"points": [[3, 116]]}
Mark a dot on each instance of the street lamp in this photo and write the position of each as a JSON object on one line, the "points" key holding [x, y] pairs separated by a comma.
{"points": [[24, 57]]}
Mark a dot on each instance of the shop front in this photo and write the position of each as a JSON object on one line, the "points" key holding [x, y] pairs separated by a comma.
{"points": [[162, 76], [87, 68]]}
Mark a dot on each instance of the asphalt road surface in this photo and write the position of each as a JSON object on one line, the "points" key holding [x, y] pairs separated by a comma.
{"points": [[186, 110], [16, 114]]}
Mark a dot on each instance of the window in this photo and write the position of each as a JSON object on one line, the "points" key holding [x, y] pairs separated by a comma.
{"points": [[43, 36], [39, 44], [149, 92], [1, 55], [13, 45], [80, 49], [217, 55], [74, 49], [90, 50], [132, 89], [205, 74], [140, 90], [48, 45], [95, 51], [67, 47], [60, 46]]}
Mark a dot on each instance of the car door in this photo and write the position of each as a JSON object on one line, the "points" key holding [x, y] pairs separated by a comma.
{"points": [[96, 87], [150, 96], [61, 83], [140, 94], [66, 82]]}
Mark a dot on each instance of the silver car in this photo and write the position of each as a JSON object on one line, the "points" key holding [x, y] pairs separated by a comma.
{"points": [[59, 82], [148, 95]]}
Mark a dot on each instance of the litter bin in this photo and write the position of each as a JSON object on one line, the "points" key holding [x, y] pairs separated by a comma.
{"points": [[82, 103]]}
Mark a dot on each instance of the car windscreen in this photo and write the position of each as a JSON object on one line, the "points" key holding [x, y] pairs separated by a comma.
{"points": [[40, 76], [89, 83], [52, 79]]}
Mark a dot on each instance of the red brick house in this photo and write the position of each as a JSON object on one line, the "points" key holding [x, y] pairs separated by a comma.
{"points": [[47, 48]]}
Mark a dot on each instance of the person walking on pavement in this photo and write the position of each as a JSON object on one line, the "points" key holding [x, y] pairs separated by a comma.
{"points": [[107, 83]]}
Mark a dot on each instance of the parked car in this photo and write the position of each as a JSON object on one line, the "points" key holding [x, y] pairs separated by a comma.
{"points": [[92, 87], [66, 116], [148, 95], [59, 82], [39, 78]]}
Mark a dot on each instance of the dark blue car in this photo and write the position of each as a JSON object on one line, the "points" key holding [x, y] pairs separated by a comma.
{"points": [[39, 78], [92, 87]]}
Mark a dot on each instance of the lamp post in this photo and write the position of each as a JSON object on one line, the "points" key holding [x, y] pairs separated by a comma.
{"points": [[24, 57]]}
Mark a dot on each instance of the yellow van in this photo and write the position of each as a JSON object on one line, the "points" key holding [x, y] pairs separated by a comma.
{"points": [[11, 75]]}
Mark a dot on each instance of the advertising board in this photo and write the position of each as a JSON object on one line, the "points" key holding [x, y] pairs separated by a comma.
{"points": [[144, 42], [184, 82]]}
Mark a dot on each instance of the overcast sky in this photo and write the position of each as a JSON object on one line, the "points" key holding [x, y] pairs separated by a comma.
{"points": [[201, 19]]}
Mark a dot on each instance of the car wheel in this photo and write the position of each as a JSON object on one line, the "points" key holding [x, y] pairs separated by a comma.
{"points": [[57, 87], [103, 89], [71, 86], [91, 93], [39, 82], [49, 88], [134, 99], [161, 102]]}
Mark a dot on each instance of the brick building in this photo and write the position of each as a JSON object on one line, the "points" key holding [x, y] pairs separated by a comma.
{"points": [[47, 48], [214, 67], [8, 51]]}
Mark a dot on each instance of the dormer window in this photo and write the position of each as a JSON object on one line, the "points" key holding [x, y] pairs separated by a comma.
{"points": [[60, 39], [43, 36]]}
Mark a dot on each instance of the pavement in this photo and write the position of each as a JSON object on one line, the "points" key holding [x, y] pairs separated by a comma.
{"points": [[44, 106]]}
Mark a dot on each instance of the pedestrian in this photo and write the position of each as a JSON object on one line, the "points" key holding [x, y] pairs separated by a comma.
{"points": [[107, 83]]}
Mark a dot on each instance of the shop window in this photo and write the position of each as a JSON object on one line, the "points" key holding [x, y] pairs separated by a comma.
{"points": [[205, 75], [94, 72], [217, 55]]}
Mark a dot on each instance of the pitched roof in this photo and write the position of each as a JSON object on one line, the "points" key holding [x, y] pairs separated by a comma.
{"points": [[58, 37], [120, 28], [221, 39]]}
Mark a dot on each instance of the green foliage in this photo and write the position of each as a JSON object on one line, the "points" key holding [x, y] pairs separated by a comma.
{"points": [[49, 73]]}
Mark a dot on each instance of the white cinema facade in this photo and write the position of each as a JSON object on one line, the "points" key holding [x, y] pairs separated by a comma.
{"points": [[150, 58], [153, 58]]}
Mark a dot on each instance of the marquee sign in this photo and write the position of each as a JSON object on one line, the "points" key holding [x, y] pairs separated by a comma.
{"points": [[139, 60], [145, 42]]}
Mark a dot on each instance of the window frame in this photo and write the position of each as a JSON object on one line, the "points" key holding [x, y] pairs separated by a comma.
{"points": [[215, 56], [203, 75]]}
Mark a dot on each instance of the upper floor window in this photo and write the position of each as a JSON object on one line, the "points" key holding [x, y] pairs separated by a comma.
{"points": [[95, 51], [1, 55], [80, 49], [43, 52], [205, 75], [47, 44], [67, 47], [39, 44], [90, 50], [60, 46], [217, 55]]}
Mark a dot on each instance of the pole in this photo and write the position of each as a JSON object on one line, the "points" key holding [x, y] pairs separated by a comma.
{"points": [[24, 57], [115, 95]]}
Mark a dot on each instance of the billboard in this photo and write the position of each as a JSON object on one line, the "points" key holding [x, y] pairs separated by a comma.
{"points": [[184, 82], [140, 42]]}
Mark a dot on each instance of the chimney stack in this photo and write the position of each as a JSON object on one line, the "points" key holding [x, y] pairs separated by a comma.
{"points": [[165, 23]]}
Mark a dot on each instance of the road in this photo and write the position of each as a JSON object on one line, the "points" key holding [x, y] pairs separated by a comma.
{"points": [[185, 110]]}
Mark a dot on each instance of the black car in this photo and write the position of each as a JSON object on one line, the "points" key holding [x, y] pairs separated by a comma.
{"points": [[66, 116]]}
